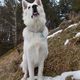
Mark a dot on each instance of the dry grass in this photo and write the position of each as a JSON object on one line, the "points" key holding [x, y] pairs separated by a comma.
{"points": [[61, 58], [9, 65]]}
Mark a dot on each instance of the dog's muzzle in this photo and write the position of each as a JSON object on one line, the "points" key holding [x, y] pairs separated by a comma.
{"points": [[35, 12]]}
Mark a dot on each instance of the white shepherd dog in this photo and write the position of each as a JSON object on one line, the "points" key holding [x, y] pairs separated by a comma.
{"points": [[35, 39]]}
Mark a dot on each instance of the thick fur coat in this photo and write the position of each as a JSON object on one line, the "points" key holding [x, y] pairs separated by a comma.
{"points": [[35, 49]]}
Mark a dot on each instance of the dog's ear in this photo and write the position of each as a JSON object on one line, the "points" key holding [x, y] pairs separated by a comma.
{"points": [[39, 2], [24, 4]]}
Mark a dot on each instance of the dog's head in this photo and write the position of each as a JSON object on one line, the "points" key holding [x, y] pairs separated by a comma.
{"points": [[32, 11]]}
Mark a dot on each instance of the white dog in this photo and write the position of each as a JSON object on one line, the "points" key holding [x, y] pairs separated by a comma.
{"points": [[35, 39]]}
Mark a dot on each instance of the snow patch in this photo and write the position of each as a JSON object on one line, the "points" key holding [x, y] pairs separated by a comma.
{"points": [[54, 34], [57, 78], [66, 42], [77, 35], [72, 25], [66, 74], [75, 75]]}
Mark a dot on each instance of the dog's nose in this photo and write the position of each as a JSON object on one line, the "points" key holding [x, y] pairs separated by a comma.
{"points": [[35, 11], [34, 8]]}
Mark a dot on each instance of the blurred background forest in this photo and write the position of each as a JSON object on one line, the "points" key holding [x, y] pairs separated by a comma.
{"points": [[11, 24]]}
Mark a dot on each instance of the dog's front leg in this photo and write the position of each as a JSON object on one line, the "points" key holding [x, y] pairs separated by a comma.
{"points": [[40, 71], [31, 70], [24, 67]]}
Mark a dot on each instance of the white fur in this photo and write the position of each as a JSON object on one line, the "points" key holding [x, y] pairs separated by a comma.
{"points": [[35, 41]]}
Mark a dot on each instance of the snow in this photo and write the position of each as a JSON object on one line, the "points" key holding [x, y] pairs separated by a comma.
{"points": [[66, 42], [49, 78], [72, 25], [57, 78], [65, 75], [75, 75], [54, 34], [77, 35]]}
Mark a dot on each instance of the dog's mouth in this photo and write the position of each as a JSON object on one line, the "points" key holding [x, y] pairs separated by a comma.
{"points": [[35, 14]]}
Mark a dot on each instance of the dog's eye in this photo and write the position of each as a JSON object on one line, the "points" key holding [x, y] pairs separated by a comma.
{"points": [[29, 7]]}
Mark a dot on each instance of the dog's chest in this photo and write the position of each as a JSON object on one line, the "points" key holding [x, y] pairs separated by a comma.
{"points": [[33, 37], [35, 44]]}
